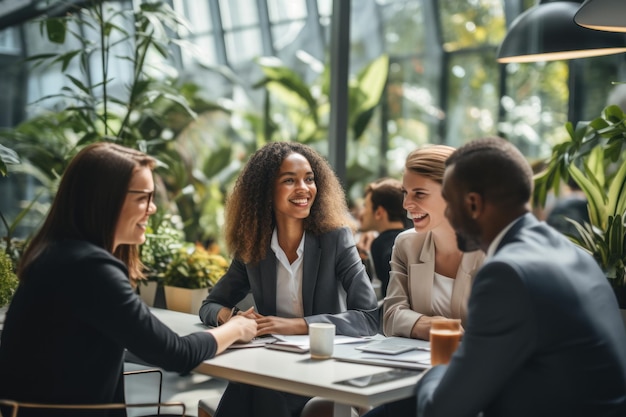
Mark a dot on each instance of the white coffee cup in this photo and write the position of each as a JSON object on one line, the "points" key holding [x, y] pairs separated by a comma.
{"points": [[321, 340]]}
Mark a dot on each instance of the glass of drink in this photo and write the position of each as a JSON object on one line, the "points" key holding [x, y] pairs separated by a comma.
{"points": [[445, 335]]}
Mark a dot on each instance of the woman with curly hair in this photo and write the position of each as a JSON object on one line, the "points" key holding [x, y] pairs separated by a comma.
{"points": [[286, 231]]}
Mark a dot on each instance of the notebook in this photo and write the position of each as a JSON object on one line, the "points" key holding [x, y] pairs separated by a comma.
{"points": [[418, 357], [394, 346]]}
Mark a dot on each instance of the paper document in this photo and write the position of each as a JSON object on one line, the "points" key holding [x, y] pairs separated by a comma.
{"points": [[417, 358], [256, 342]]}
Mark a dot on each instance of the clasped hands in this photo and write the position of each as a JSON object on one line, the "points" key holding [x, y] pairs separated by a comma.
{"points": [[268, 324]]}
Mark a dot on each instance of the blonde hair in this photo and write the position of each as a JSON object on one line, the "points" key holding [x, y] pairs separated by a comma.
{"points": [[429, 161]]}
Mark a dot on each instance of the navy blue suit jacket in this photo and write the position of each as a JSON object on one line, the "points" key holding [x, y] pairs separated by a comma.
{"points": [[544, 336]]}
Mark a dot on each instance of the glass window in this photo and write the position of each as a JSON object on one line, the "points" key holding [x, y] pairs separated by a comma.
{"points": [[413, 101], [472, 97], [404, 28], [238, 13], [200, 49], [292, 10], [243, 45], [285, 33], [199, 16], [593, 95], [9, 41], [535, 106], [466, 24]]}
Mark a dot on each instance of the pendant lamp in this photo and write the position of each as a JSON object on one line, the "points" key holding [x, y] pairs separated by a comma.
{"points": [[547, 32], [609, 15]]}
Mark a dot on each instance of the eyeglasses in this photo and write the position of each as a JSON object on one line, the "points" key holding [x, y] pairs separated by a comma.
{"points": [[149, 194]]}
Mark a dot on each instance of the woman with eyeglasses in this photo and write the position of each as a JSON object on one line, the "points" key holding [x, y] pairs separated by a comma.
{"points": [[75, 311]]}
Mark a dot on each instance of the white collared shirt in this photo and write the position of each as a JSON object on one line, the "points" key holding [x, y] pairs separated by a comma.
{"points": [[494, 243], [288, 280]]}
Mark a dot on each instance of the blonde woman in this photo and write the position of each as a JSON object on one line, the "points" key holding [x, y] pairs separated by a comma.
{"points": [[430, 277]]}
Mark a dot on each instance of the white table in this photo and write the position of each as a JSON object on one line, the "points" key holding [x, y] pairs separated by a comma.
{"points": [[295, 373]]}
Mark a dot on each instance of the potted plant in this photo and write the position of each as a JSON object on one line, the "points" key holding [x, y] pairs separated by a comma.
{"points": [[163, 239], [192, 272], [594, 157]]}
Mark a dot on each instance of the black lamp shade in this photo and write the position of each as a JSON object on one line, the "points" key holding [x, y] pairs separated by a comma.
{"points": [[609, 15], [547, 32]]}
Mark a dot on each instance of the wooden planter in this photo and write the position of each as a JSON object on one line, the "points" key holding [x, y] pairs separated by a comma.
{"points": [[184, 300]]}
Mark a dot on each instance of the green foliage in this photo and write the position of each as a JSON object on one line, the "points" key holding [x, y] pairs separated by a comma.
{"points": [[147, 111], [594, 157], [163, 238], [193, 266], [307, 107], [7, 157], [297, 111], [8, 280]]}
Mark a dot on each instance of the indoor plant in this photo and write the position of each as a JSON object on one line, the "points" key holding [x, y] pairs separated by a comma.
{"points": [[189, 276], [163, 239], [594, 157], [8, 279]]}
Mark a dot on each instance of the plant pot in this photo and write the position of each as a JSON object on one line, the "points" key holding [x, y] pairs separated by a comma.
{"points": [[184, 300], [147, 292]]}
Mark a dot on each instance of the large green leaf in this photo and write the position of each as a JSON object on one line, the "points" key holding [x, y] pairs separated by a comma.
{"points": [[370, 83], [596, 199], [7, 157], [616, 204]]}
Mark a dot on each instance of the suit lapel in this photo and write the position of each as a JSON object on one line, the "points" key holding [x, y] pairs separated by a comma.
{"points": [[422, 276], [310, 268]]}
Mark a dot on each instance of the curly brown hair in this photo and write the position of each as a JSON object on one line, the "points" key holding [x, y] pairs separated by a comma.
{"points": [[249, 210]]}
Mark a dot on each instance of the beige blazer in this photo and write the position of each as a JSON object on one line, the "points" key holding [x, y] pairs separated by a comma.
{"points": [[411, 283]]}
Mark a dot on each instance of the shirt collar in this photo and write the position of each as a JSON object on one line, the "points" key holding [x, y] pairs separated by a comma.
{"points": [[276, 247], [491, 250]]}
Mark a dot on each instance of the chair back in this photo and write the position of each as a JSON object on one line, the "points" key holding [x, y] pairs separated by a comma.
{"points": [[15, 407]]}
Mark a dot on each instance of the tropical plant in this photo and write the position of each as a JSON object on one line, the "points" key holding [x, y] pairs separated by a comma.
{"points": [[295, 110], [145, 110], [7, 157], [163, 239], [8, 280], [594, 157], [193, 266]]}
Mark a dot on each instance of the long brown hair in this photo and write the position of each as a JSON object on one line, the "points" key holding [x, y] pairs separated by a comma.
{"points": [[249, 210], [88, 203]]}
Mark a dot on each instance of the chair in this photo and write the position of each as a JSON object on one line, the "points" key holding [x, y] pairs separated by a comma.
{"points": [[208, 406], [15, 406]]}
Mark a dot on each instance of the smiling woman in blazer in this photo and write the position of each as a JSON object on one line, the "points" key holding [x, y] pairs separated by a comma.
{"points": [[286, 231], [430, 277]]}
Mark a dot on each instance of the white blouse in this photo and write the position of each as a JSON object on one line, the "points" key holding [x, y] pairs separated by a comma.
{"points": [[441, 295]]}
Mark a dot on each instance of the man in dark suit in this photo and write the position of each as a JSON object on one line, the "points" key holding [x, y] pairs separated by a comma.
{"points": [[384, 214], [544, 335]]}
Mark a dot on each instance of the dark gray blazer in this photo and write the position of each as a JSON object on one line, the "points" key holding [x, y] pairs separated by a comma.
{"points": [[544, 336], [331, 263]]}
